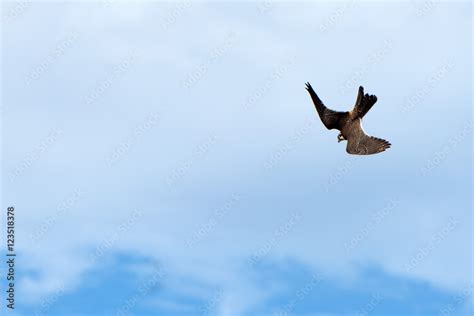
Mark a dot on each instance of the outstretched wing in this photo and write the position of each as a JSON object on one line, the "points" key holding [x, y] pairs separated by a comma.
{"points": [[329, 117], [360, 143], [363, 104]]}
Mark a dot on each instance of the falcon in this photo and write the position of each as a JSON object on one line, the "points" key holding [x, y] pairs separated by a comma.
{"points": [[350, 124]]}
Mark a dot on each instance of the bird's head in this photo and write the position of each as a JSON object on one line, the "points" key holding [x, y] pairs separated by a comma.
{"points": [[340, 138]]}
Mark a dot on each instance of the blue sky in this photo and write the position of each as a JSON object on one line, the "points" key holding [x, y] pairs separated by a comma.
{"points": [[165, 159]]}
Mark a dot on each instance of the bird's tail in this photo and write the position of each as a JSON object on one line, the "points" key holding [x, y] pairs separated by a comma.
{"points": [[364, 103]]}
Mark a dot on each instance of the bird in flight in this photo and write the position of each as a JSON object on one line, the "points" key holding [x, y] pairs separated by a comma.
{"points": [[350, 124]]}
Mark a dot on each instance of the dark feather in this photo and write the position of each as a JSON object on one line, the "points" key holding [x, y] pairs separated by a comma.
{"points": [[331, 119], [363, 104]]}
